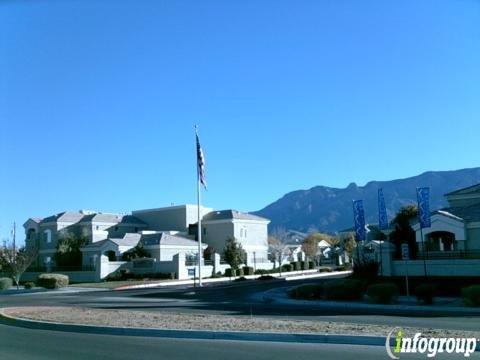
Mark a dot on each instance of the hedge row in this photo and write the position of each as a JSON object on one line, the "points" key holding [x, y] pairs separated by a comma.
{"points": [[125, 274], [380, 293], [293, 266]]}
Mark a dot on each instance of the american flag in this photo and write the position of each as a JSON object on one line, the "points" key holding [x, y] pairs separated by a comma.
{"points": [[201, 164]]}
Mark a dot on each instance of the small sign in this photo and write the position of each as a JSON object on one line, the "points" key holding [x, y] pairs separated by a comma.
{"points": [[405, 252], [191, 272]]}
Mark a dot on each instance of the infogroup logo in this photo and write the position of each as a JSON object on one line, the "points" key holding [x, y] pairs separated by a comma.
{"points": [[428, 346]]}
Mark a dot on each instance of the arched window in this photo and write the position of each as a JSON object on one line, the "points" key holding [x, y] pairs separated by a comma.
{"points": [[31, 234], [440, 241], [47, 236]]}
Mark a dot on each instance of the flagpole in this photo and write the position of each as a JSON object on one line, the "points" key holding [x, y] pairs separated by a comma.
{"points": [[14, 235], [424, 251], [199, 222]]}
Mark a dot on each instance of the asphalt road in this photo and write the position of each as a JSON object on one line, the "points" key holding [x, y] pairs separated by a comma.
{"points": [[236, 298], [25, 344]]}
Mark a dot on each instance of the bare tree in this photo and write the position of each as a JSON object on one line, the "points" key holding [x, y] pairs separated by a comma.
{"points": [[278, 247], [310, 244], [15, 261]]}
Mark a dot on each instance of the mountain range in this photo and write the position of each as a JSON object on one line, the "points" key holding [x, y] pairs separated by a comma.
{"points": [[328, 209]]}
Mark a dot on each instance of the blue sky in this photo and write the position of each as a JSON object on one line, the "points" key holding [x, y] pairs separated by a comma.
{"points": [[98, 99]]}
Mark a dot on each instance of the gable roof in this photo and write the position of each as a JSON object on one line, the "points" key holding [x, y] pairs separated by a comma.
{"points": [[231, 215], [113, 218], [468, 213], [129, 239], [166, 239], [474, 189], [34, 220], [96, 244], [66, 216]]}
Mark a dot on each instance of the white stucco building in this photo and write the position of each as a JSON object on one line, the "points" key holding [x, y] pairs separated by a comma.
{"points": [[452, 243], [455, 228], [168, 234]]}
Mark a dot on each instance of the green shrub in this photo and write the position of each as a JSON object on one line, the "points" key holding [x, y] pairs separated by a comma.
{"points": [[261, 272], [248, 270], [52, 281], [367, 269], [239, 272], [306, 292], [344, 268], [229, 272], [125, 274], [5, 283], [384, 293], [324, 269], [243, 278], [29, 285], [295, 266], [287, 267], [345, 289], [311, 265], [471, 295], [425, 293], [217, 275], [303, 265]]}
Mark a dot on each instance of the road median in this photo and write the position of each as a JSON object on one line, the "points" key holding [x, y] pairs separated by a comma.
{"points": [[196, 326]]}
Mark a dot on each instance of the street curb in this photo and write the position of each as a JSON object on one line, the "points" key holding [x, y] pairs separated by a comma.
{"points": [[195, 334]]}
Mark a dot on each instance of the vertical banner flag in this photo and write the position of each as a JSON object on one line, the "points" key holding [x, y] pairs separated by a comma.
{"points": [[423, 198], [382, 211], [359, 216], [201, 164]]}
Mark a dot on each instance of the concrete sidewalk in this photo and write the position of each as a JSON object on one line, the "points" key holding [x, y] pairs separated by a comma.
{"points": [[290, 276]]}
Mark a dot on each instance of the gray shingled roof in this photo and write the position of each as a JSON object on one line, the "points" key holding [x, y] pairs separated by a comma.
{"points": [[66, 216], [166, 239], [95, 244], [475, 189], [130, 239], [468, 213], [231, 214], [113, 218]]}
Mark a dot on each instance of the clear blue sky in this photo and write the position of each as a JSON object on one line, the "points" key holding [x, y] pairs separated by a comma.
{"points": [[98, 99]]}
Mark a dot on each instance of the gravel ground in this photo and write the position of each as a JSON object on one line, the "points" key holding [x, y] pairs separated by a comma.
{"points": [[159, 320]]}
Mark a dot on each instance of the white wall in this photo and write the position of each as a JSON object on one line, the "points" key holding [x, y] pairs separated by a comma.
{"points": [[437, 268]]}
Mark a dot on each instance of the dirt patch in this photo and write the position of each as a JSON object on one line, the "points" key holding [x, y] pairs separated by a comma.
{"points": [[177, 321]]}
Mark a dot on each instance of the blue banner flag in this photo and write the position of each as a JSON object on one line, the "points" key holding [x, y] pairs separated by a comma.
{"points": [[423, 199], [382, 211], [359, 217]]}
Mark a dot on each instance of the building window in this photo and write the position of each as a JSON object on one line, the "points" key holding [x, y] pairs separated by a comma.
{"points": [[241, 233], [97, 227], [47, 236], [116, 228], [136, 229], [245, 232]]}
